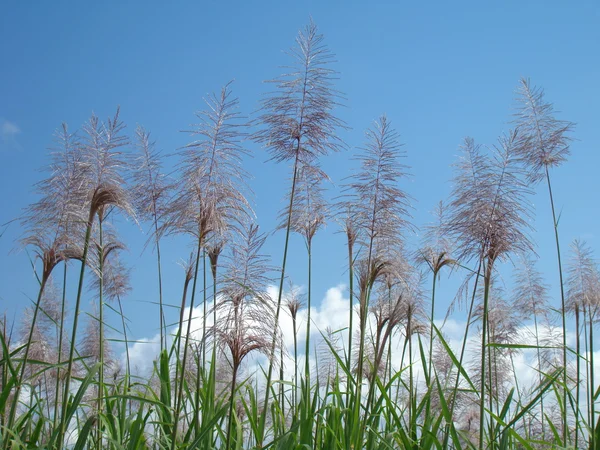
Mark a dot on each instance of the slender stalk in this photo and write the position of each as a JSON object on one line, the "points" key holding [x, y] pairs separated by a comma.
{"points": [[128, 360], [231, 403], [196, 409], [281, 390], [295, 363], [279, 297], [185, 347], [577, 379], [487, 282], [163, 324], [177, 343], [539, 357], [411, 395], [308, 306], [60, 342], [63, 422], [591, 383], [462, 351], [13, 409], [204, 306], [562, 306], [101, 312], [431, 327], [351, 308]]}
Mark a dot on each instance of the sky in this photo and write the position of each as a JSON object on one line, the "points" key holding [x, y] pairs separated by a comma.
{"points": [[440, 71]]}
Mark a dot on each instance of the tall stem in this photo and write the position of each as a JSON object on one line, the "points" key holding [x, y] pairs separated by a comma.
{"points": [[204, 306], [351, 309], [231, 403], [295, 363], [101, 312], [60, 342], [431, 327], [487, 282], [63, 422], [13, 408], [462, 352], [591, 388], [163, 325], [539, 357], [563, 309], [185, 348], [278, 309], [578, 365], [308, 306], [128, 361]]}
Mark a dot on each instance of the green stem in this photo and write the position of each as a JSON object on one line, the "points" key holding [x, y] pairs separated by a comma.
{"points": [[128, 363], [295, 363], [185, 348], [350, 313], [63, 423], [163, 325], [487, 282], [308, 306], [578, 364], [231, 403], [13, 409], [563, 309], [204, 306], [263, 418], [101, 305], [592, 387], [60, 342]]}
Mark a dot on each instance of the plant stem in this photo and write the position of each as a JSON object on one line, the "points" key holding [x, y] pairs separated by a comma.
{"points": [[60, 342], [563, 309], [63, 424], [101, 312], [231, 403], [487, 282], [13, 408], [185, 348], [308, 306], [278, 308]]}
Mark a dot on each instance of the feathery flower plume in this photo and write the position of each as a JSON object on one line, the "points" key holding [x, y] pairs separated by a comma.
{"points": [[298, 125], [547, 146], [309, 208], [435, 252], [294, 302], [530, 300], [380, 207], [583, 280], [380, 215], [209, 197], [150, 190], [210, 194], [583, 296], [548, 139], [489, 218], [104, 186], [245, 311], [54, 221]]}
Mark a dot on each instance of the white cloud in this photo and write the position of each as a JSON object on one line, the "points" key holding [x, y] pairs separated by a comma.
{"points": [[332, 312], [8, 134]]}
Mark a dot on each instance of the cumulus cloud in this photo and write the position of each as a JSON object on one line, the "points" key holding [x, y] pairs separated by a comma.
{"points": [[331, 313], [8, 135]]}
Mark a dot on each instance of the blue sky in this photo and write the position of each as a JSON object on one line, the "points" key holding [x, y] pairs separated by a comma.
{"points": [[439, 70]]}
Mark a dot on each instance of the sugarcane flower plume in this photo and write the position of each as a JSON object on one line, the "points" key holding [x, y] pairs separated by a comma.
{"points": [[209, 196], [297, 120], [548, 139]]}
